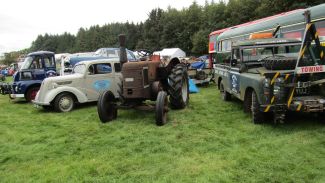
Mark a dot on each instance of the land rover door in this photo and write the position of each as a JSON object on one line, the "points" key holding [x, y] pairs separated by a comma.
{"points": [[234, 73]]}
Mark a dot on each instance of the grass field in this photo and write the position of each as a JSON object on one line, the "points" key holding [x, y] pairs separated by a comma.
{"points": [[210, 141]]}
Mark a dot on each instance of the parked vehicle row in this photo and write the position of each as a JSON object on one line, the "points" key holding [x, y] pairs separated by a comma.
{"points": [[269, 74]]}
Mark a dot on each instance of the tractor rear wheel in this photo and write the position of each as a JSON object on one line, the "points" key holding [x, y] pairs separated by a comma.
{"points": [[106, 107], [161, 108], [178, 87]]}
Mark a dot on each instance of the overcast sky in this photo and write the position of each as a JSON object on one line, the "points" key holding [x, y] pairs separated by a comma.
{"points": [[22, 20]]}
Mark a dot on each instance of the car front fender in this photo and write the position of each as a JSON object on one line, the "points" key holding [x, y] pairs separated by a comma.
{"points": [[50, 95]]}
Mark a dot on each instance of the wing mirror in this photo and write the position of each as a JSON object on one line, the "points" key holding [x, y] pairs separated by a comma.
{"points": [[233, 62]]}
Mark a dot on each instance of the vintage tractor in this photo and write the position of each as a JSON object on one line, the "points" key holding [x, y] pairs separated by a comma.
{"points": [[146, 80]]}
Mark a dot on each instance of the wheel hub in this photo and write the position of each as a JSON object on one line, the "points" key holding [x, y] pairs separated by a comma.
{"points": [[65, 103]]}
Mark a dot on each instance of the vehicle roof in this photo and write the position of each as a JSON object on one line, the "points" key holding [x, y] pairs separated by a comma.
{"points": [[105, 60], [295, 17], [255, 21], [111, 49], [41, 53], [269, 41]]}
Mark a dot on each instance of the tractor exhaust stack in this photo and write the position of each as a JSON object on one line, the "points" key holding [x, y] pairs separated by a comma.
{"points": [[123, 56]]}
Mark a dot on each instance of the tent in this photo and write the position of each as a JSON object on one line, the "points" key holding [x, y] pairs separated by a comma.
{"points": [[171, 52]]}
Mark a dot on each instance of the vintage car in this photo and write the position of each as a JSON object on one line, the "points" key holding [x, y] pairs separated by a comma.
{"points": [[88, 80]]}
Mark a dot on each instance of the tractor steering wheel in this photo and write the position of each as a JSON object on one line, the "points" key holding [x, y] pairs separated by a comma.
{"points": [[144, 52]]}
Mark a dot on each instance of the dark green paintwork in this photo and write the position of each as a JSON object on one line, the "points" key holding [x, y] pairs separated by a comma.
{"points": [[317, 12]]}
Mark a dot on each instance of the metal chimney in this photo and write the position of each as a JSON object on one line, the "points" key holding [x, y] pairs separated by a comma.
{"points": [[123, 56]]}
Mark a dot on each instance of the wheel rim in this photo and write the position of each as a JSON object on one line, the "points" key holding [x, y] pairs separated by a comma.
{"points": [[184, 90], [66, 103], [33, 94]]}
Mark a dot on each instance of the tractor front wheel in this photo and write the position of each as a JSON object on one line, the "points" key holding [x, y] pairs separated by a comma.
{"points": [[161, 108], [106, 107]]}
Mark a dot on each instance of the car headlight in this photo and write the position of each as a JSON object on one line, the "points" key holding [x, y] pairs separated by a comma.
{"points": [[276, 90], [266, 83], [278, 87], [51, 86]]}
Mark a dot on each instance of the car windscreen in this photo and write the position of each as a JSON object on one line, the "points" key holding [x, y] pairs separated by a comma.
{"points": [[260, 53], [80, 69], [33, 62], [27, 62]]}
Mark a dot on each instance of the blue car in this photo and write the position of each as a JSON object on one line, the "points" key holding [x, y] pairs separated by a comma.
{"points": [[101, 53], [4, 72]]}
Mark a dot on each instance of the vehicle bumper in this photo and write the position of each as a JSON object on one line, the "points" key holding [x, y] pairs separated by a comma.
{"points": [[299, 104], [38, 103], [13, 96]]}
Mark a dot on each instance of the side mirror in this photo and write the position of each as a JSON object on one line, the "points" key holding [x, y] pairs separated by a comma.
{"points": [[66, 64], [233, 62], [243, 68]]}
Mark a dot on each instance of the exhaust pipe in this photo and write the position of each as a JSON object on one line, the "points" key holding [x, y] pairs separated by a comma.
{"points": [[123, 56]]}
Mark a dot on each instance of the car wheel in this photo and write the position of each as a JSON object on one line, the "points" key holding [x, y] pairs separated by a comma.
{"points": [[31, 94], [248, 102], [64, 102], [226, 96], [257, 114]]}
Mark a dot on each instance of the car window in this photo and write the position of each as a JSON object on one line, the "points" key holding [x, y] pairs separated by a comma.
{"points": [[36, 63], [79, 69], [49, 62], [103, 68]]}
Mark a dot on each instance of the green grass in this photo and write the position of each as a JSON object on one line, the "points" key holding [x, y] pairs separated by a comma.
{"points": [[210, 141], [8, 79]]}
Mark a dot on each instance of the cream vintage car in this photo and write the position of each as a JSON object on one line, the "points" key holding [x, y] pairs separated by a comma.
{"points": [[87, 81]]}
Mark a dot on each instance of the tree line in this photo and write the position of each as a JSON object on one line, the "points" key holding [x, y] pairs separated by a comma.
{"points": [[187, 28]]}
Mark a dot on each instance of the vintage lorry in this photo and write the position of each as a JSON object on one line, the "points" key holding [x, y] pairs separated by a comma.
{"points": [[276, 75], [26, 81], [87, 81]]}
